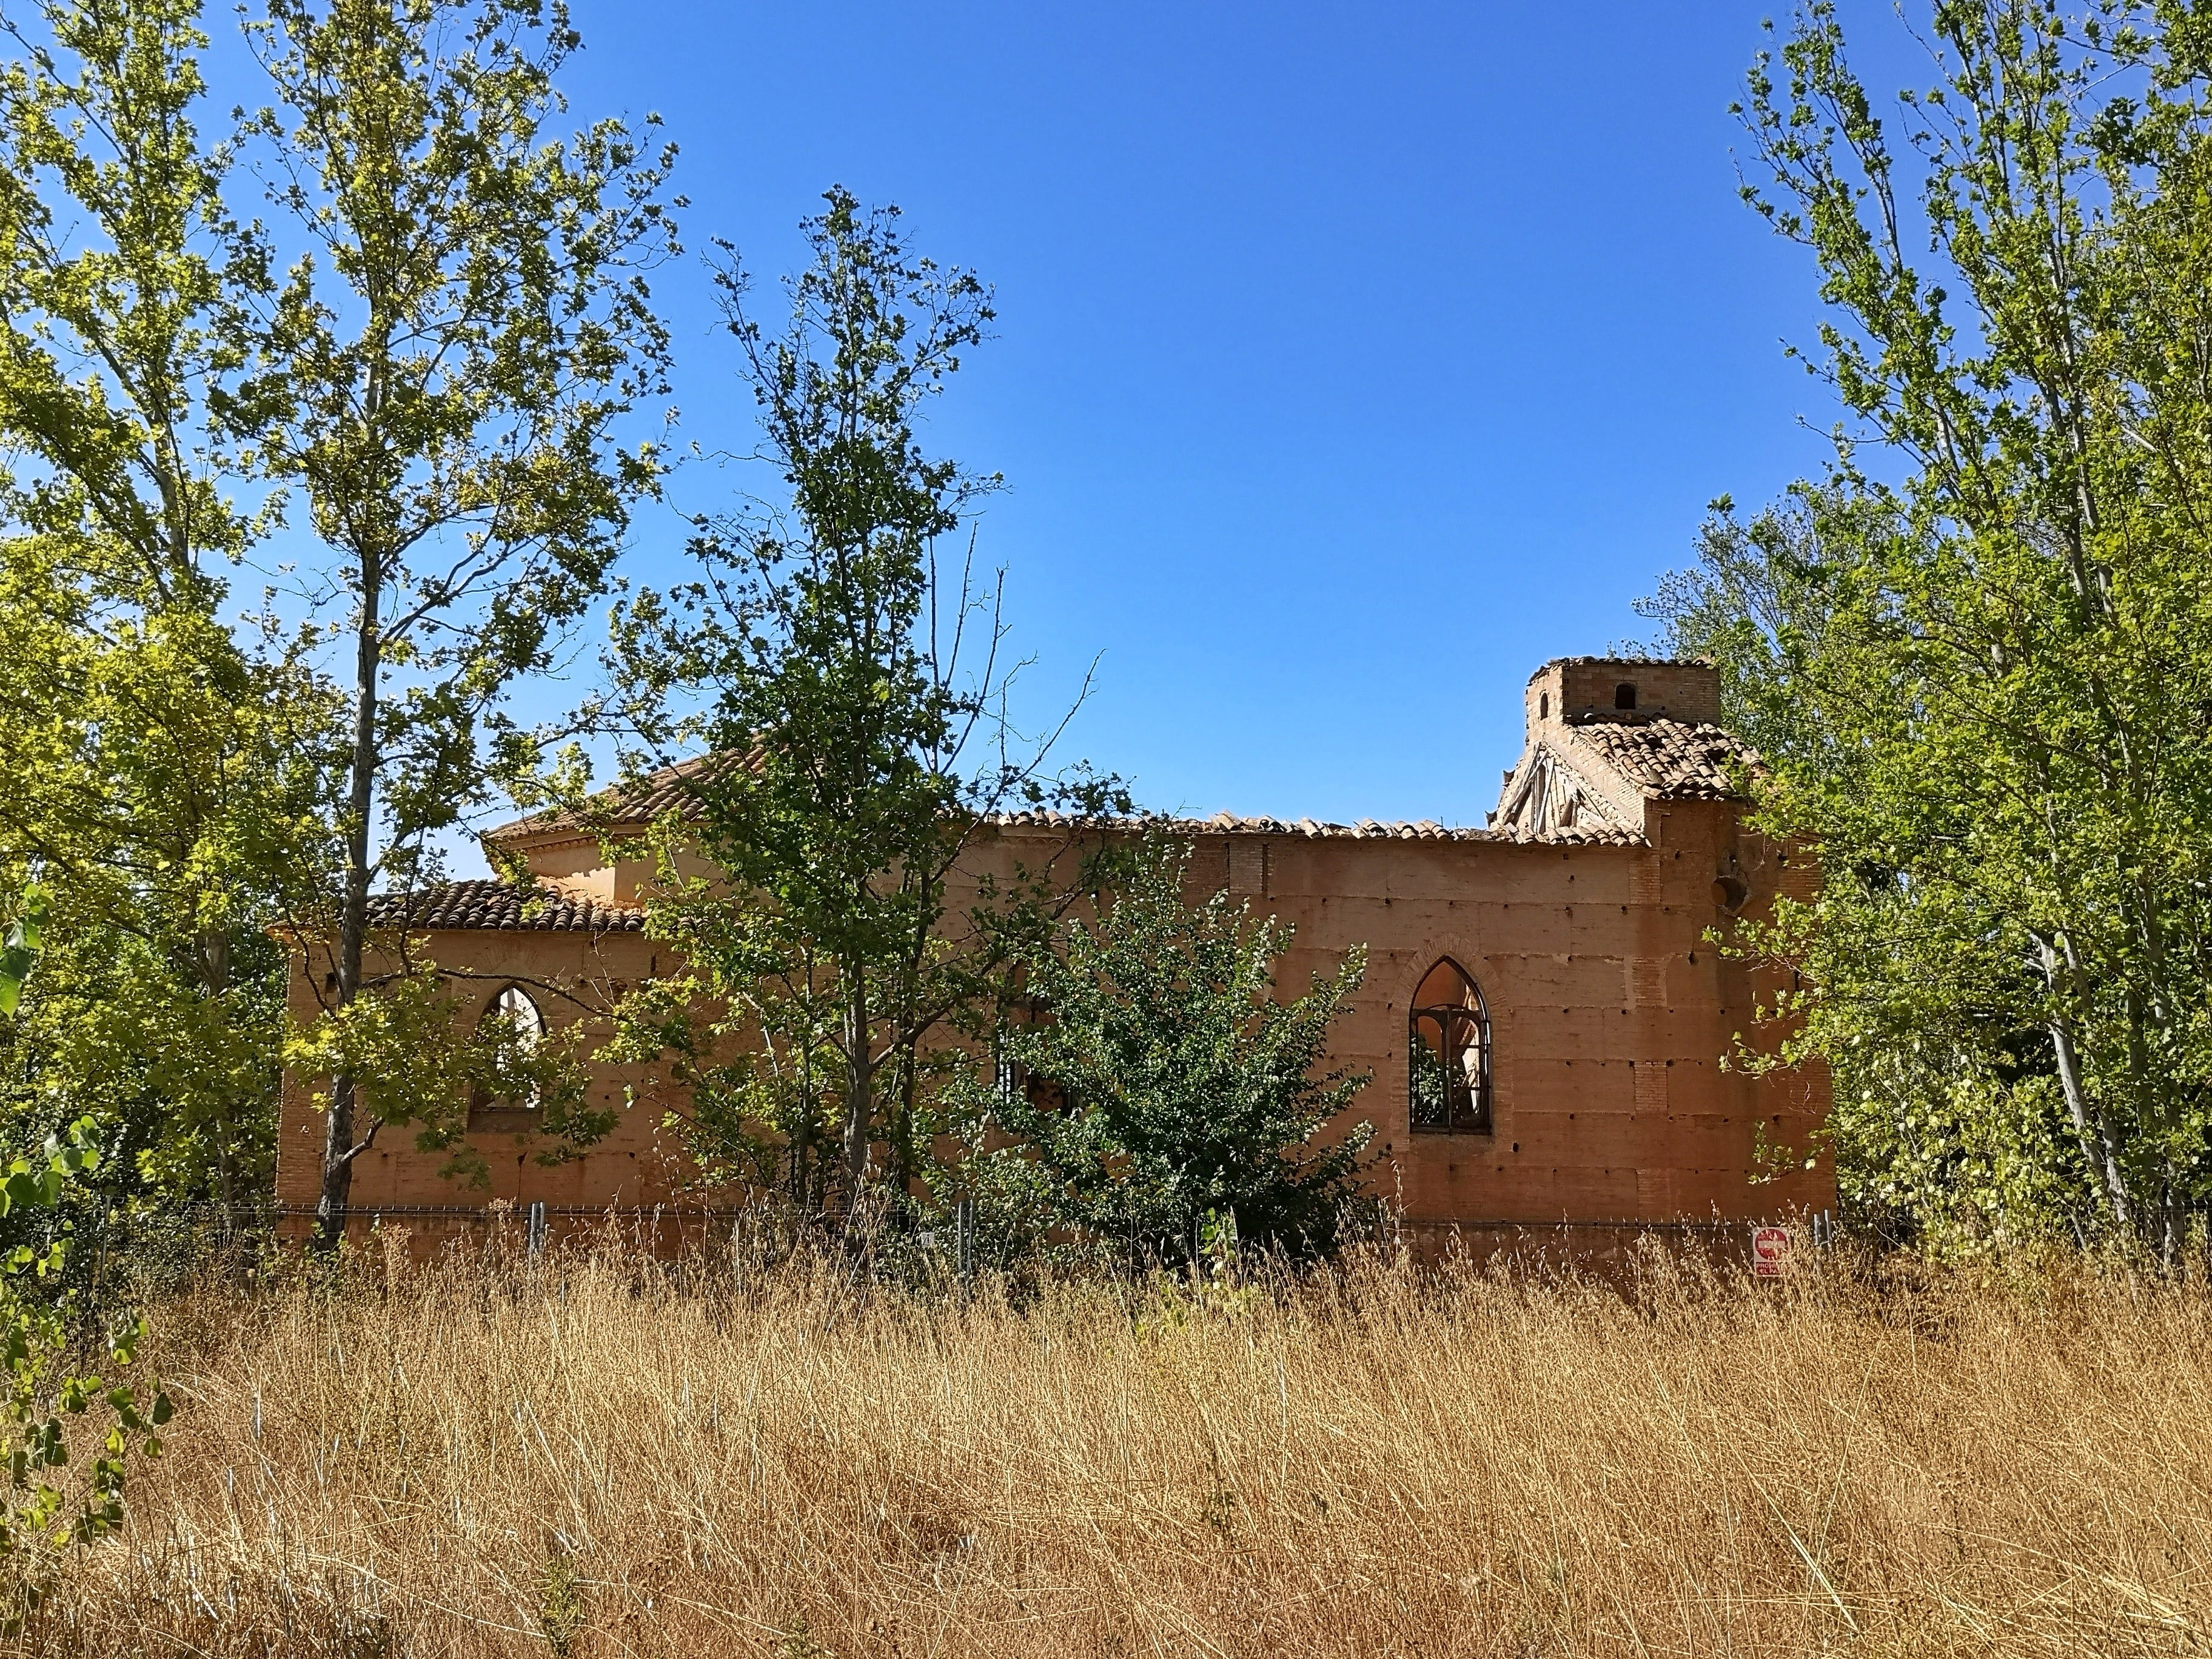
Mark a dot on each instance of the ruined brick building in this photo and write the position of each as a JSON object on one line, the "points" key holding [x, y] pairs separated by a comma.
{"points": [[1545, 1018]]}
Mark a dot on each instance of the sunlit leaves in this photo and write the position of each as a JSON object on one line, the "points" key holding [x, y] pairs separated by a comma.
{"points": [[1170, 1084], [1976, 657], [850, 673], [20, 948]]}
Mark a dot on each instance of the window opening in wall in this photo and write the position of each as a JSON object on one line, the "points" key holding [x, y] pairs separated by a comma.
{"points": [[1543, 705], [1624, 695], [512, 1007], [1447, 1054]]}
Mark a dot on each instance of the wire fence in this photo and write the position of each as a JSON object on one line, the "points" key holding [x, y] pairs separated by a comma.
{"points": [[138, 1252]]}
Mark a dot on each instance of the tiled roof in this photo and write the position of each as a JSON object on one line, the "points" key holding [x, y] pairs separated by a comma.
{"points": [[1592, 831], [1672, 759], [671, 789], [498, 904], [1228, 824]]}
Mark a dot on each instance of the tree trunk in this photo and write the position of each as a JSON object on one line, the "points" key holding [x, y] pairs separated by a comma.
{"points": [[339, 1147], [2089, 1125], [902, 1136], [214, 963], [860, 1091]]}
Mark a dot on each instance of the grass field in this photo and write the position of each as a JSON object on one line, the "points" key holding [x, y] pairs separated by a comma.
{"points": [[469, 1459]]}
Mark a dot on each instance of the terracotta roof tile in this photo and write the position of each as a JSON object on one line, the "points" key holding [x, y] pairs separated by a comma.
{"points": [[1228, 824], [498, 904], [1588, 833], [1671, 759], [672, 790]]}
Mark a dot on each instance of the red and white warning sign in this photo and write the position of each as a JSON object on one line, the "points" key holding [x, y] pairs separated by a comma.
{"points": [[1770, 1252]]}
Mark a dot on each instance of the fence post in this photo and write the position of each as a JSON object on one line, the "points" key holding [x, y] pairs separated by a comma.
{"points": [[963, 1222], [536, 1228]]}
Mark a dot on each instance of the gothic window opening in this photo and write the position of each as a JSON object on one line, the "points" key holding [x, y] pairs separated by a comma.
{"points": [[1447, 1054], [513, 1009]]}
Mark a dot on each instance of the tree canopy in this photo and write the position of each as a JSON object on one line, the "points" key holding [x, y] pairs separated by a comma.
{"points": [[1975, 656]]}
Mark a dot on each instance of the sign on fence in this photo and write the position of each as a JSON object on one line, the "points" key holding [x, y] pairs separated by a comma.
{"points": [[1770, 1252]]}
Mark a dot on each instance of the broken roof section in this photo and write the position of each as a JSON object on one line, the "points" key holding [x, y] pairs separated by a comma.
{"points": [[1611, 737], [1606, 735], [1672, 760]]}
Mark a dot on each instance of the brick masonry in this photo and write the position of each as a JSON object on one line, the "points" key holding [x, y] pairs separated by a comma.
{"points": [[1581, 914]]}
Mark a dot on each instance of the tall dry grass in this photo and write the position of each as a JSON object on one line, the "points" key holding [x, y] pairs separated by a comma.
{"points": [[468, 1460]]}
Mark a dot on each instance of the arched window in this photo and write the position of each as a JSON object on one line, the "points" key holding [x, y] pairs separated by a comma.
{"points": [[512, 1008], [1447, 1054], [1624, 695]]}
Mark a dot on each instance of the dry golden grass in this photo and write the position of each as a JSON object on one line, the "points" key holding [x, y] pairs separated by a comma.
{"points": [[470, 1461]]}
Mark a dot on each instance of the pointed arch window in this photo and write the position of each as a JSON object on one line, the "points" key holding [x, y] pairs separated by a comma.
{"points": [[1447, 1054], [513, 1008]]}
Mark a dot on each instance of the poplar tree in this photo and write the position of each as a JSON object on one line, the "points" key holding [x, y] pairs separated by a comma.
{"points": [[439, 382], [161, 768], [1977, 655]]}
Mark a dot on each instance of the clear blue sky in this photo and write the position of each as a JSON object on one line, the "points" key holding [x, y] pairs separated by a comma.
{"points": [[1352, 359]]}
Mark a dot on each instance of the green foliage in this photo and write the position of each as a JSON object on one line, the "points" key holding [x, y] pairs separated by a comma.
{"points": [[424, 403], [1976, 657], [851, 697], [441, 375], [1178, 1090], [43, 1507], [20, 949], [161, 768], [182, 1080]]}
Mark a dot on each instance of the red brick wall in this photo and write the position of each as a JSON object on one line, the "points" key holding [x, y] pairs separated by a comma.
{"points": [[1610, 1013]]}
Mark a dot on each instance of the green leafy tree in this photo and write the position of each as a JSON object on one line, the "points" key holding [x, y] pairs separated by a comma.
{"points": [[161, 767], [1163, 1083], [48, 1505], [442, 378], [851, 699], [1975, 656], [1948, 1121]]}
